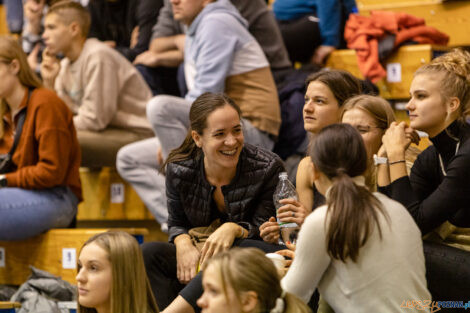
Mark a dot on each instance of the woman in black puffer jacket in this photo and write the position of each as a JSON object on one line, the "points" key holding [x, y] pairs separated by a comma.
{"points": [[212, 175]]}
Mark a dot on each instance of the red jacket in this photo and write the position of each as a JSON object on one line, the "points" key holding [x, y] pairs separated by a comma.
{"points": [[363, 33], [48, 153]]}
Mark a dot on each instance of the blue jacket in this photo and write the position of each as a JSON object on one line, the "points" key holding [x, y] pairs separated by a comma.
{"points": [[328, 11]]}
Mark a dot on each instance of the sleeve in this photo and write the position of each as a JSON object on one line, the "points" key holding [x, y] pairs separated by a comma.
{"points": [[265, 208], [216, 48], [100, 97], [311, 257], [166, 26], [429, 205], [330, 14], [53, 146], [147, 14], [178, 222]]}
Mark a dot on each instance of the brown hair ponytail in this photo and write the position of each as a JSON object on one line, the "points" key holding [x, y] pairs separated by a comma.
{"points": [[339, 153]]}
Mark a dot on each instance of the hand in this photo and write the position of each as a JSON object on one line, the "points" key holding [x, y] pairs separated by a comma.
{"points": [[396, 141], [160, 156], [33, 57], [50, 68], [110, 43], [147, 58], [220, 240], [292, 212], [412, 135], [269, 231], [187, 258], [289, 254], [134, 37], [321, 53], [33, 14]]}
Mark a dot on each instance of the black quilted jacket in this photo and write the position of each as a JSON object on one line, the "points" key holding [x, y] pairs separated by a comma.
{"points": [[248, 198]]}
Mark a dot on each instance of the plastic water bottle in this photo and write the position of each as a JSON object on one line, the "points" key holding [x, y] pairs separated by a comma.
{"points": [[285, 190]]}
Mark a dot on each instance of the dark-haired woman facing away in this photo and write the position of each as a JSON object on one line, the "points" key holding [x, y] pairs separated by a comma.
{"points": [[362, 250]]}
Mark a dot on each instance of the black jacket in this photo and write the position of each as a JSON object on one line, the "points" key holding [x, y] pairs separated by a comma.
{"points": [[248, 198]]}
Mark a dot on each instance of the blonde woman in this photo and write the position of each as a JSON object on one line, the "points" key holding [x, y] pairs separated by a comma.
{"points": [[244, 280], [39, 181], [111, 276]]}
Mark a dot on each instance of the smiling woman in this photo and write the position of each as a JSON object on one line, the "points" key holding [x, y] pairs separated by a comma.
{"points": [[212, 177], [111, 276]]}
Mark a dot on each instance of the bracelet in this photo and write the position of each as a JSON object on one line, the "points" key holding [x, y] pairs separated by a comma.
{"points": [[396, 162], [243, 232]]}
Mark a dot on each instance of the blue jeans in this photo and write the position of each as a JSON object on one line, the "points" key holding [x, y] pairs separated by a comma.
{"points": [[14, 15], [27, 213]]}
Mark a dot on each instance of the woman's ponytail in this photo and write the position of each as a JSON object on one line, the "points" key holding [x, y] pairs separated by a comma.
{"points": [[338, 152]]}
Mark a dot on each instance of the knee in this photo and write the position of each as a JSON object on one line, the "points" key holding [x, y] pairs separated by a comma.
{"points": [[158, 108], [124, 160], [152, 251]]}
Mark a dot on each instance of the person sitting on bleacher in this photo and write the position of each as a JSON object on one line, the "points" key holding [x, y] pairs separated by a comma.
{"points": [[312, 29], [245, 281], [220, 56], [111, 276], [216, 181], [324, 99], [40, 155], [103, 89], [437, 191], [362, 250]]}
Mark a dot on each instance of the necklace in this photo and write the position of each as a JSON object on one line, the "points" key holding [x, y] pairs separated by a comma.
{"points": [[456, 150]]}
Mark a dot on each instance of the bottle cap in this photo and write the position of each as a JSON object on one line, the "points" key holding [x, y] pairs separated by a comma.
{"points": [[283, 175]]}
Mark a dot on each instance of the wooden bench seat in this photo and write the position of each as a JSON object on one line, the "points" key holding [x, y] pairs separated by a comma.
{"points": [[9, 307], [55, 251], [106, 196], [403, 63]]}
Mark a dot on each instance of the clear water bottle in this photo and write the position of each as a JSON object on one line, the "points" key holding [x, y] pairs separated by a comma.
{"points": [[285, 190]]}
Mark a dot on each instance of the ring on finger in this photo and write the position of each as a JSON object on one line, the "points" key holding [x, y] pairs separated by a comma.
{"points": [[293, 214]]}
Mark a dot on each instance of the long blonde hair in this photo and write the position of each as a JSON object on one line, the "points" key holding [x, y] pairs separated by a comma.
{"points": [[248, 269], [131, 290], [11, 50]]}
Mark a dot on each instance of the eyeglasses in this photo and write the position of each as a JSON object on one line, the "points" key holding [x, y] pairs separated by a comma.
{"points": [[364, 129]]}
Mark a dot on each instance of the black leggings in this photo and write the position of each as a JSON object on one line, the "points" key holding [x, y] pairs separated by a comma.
{"points": [[160, 264], [447, 272]]}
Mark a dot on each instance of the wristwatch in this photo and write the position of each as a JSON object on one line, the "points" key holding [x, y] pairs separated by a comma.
{"points": [[379, 160], [3, 181]]}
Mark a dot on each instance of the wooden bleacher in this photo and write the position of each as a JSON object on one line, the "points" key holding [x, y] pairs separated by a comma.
{"points": [[449, 16], [3, 21], [9, 307], [55, 251], [405, 61]]}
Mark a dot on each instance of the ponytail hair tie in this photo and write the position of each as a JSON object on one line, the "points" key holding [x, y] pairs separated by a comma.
{"points": [[280, 304]]}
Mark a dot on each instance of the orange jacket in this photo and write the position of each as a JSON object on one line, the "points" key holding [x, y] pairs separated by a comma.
{"points": [[363, 34], [48, 153]]}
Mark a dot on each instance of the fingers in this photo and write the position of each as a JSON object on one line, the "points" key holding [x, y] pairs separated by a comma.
{"points": [[270, 233], [286, 253]]}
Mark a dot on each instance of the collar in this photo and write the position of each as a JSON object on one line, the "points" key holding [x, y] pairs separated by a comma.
{"points": [[446, 141]]}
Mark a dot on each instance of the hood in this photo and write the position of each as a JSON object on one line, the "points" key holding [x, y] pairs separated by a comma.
{"points": [[218, 6]]}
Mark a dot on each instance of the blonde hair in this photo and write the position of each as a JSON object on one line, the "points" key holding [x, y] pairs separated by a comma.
{"points": [[70, 11], [378, 108], [11, 50], [131, 290], [248, 269], [455, 66]]}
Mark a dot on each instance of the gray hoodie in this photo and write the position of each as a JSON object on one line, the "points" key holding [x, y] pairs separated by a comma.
{"points": [[218, 45]]}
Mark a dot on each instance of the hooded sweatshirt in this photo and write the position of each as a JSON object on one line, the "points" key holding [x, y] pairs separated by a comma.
{"points": [[222, 56]]}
